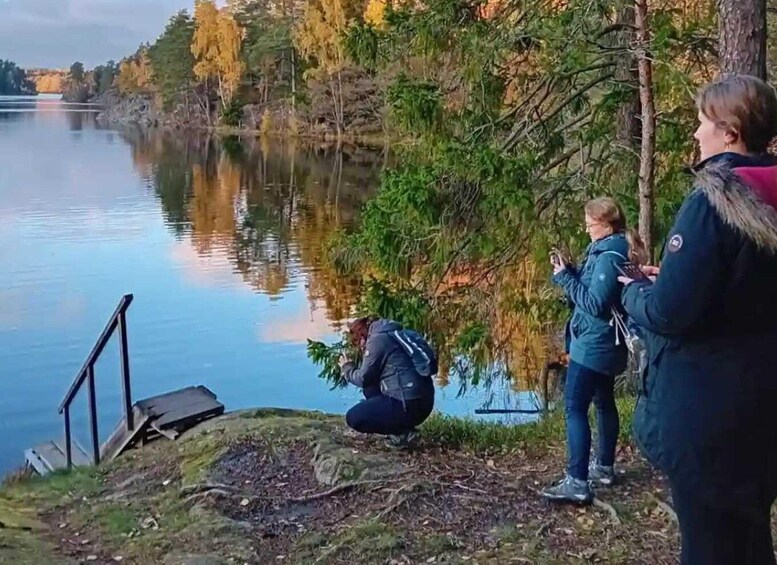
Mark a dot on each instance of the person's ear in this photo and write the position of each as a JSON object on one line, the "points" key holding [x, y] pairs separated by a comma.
{"points": [[730, 137]]}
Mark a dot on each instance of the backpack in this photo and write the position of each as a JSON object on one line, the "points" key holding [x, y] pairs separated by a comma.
{"points": [[418, 350], [629, 336], [634, 344]]}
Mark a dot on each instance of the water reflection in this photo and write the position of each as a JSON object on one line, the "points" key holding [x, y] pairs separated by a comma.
{"points": [[266, 206]]}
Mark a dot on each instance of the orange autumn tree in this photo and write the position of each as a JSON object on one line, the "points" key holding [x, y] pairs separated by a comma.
{"points": [[216, 47]]}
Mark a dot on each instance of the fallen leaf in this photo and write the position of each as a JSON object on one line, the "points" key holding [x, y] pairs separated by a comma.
{"points": [[245, 502], [166, 482], [490, 463], [91, 558]]}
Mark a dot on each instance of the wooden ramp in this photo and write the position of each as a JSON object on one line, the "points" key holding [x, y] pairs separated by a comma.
{"points": [[50, 456], [166, 415]]}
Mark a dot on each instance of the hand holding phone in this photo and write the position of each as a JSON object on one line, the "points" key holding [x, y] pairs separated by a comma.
{"points": [[631, 271], [557, 261]]}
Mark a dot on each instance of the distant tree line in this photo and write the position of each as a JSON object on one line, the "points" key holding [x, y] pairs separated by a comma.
{"points": [[13, 80]]}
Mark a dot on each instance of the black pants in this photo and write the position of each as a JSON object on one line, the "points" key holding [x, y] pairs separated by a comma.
{"points": [[380, 414], [714, 536]]}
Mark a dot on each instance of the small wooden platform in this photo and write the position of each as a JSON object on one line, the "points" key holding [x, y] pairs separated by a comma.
{"points": [[50, 456], [166, 415]]}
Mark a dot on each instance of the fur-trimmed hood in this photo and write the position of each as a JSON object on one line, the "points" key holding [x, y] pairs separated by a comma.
{"points": [[745, 195]]}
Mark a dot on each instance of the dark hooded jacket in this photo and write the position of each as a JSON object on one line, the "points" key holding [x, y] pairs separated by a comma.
{"points": [[387, 365], [707, 415], [593, 289]]}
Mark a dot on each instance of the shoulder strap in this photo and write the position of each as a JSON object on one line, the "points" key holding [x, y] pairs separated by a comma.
{"points": [[615, 253]]}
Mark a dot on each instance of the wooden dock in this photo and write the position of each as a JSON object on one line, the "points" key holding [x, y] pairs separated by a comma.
{"points": [[166, 415]]}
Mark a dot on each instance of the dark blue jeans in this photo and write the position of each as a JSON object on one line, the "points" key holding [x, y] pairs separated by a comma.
{"points": [[381, 414], [583, 386]]}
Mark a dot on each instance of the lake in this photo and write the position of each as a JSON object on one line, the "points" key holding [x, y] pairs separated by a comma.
{"points": [[221, 241]]}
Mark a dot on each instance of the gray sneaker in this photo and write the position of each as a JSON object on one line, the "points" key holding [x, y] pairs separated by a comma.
{"points": [[402, 441], [569, 489], [601, 475]]}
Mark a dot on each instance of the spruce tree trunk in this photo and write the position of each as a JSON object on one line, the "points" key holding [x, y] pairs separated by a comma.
{"points": [[742, 37]]}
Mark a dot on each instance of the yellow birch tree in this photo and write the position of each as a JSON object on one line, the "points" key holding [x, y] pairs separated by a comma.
{"points": [[216, 48]]}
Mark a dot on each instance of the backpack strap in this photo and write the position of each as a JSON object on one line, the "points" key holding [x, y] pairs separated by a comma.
{"points": [[621, 328]]}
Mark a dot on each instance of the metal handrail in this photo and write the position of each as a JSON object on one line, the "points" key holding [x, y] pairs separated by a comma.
{"points": [[86, 374]]}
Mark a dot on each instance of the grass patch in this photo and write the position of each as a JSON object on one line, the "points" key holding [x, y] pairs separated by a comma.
{"points": [[286, 413], [371, 541], [56, 487], [198, 456], [115, 521], [508, 533], [491, 437], [438, 544]]}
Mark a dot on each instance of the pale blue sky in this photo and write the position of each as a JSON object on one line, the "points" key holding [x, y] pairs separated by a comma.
{"points": [[54, 33]]}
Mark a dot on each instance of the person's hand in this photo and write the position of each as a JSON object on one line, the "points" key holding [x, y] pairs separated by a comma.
{"points": [[626, 281], [557, 263], [651, 271], [343, 360]]}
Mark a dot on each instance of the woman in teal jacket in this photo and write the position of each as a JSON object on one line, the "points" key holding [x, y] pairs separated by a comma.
{"points": [[596, 354]]}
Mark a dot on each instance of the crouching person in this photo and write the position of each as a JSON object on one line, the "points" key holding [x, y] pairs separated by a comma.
{"points": [[395, 375]]}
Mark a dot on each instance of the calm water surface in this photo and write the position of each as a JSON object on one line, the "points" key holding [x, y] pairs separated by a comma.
{"points": [[220, 241]]}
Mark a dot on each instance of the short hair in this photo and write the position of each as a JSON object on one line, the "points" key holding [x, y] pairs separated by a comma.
{"points": [[744, 105]]}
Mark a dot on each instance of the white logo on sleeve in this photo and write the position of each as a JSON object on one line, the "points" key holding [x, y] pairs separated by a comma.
{"points": [[675, 243], [601, 276]]}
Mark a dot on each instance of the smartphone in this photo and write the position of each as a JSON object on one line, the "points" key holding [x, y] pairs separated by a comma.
{"points": [[632, 271], [556, 257]]}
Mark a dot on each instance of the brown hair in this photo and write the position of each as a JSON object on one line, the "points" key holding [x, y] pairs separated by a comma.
{"points": [[744, 106], [607, 210], [359, 329], [638, 253]]}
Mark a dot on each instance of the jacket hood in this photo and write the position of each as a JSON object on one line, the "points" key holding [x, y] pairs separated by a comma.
{"points": [[384, 326], [743, 190], [615, 242]]}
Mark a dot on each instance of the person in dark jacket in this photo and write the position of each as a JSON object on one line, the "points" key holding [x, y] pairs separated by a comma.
{"points": [[707, 415], [596, 353], [397, 397]]}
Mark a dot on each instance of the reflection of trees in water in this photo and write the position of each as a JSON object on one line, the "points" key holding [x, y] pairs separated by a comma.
{"points": [[77, 120], [269, 206]]}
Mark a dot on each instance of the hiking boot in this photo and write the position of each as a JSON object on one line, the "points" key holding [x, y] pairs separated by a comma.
{"points": [[601, 475], [402, 441], [569, 489]]}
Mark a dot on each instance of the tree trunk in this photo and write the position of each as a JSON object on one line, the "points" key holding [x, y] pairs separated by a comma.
{"points": [[335, 105], [340, 103], [646, 164], [742, 37], [628, 132], [293, 81]]}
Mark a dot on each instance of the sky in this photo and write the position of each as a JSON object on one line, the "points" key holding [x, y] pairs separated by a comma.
{"points": [[55, 33]]}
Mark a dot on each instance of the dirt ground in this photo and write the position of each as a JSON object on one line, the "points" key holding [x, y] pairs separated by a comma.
{"points": [[289, 487]]}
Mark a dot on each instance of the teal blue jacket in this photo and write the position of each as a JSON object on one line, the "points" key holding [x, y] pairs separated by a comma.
{"points": [[594, 290]]}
